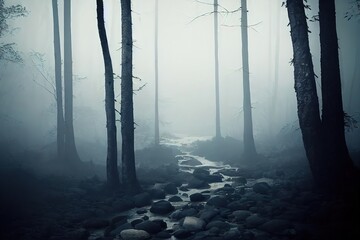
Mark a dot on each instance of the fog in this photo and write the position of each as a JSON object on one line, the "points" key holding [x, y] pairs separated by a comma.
{"points": [[186, 71]]}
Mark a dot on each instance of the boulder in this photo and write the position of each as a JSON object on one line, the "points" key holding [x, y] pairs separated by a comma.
{"points": [[162, 207], [175, 199], [157, 193], [134, 234], [119, 229], [241, 215], [193, 224], [197, 183], [142, 199], [254, 221], [182, 234], [217, 201], [170, 188], [149, 226], [223, 226], [179, 214], [197, 197], [262, 188], [208, 214]]}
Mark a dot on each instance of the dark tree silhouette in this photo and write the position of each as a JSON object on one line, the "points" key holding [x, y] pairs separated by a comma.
{"points": [[71, 153], [249, 145], [60, 133], [129, 178], [112, 172]]}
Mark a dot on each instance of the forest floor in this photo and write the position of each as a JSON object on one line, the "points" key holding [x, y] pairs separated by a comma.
{"points": [[188, 197]]}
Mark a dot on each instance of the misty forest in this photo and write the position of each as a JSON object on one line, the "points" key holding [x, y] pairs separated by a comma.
{"points": [[179, 119]]}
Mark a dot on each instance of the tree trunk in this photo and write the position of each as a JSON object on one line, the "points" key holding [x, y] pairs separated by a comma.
{"points": [[70, 148], [305, 88], [217, 91], [339, 162], [112, 172], [249, 144], [129, 178], [60, 134], [157, 133]]}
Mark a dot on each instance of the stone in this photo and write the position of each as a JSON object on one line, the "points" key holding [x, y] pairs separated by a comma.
{"points": [[208, 214], [254, 221], [183, 188], [217, 201], [238, 205], [134, 234], [275, 226], [157, 193], [119, 229], [142, 199], [232, 234], [175, 199], [193, 224], [163, 235], [190, 161], [262, 188], [241, 215], [197, 183], [149, 226], [141, 211], [178, 214], [223, 226], [136, 221], [197, 197], [95, 223], [162, 207], [170, 188], [182, 234]]}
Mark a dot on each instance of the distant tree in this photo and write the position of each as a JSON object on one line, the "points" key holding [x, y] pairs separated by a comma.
{"points": [[129, 178], [7, 51], [71, 153], [60, 130], [112, 172], [249, 144], [325, 147], [157, 132], [217, 90]]}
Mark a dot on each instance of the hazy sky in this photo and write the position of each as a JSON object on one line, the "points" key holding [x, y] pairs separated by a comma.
{"points": [[186, 65]]}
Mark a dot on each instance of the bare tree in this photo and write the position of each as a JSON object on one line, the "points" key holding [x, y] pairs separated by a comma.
{"points": [[249, 144], [129, 178], [112, 172]]}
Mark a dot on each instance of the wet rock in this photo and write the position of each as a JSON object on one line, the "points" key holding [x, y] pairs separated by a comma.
{"points": [[197, 197], [161, 222], [163, 235], [157, 193], [241, 215], [95, 223], [170, 188], [232, 234], [134, 234], [197, 183], [230, 172], [238, 205], [182, 234], [142, 199], [254, 221], [208, 214], [217, 201], [161, 207], [225, 190], [275, 226], [141, 211], [193, 224], [183, 188], [179, 214], [149, 226], [118, 219], [205, 176], [223, 226], [119, 229], [175, 199], [136, 221], [190, 161], [262, 188]]}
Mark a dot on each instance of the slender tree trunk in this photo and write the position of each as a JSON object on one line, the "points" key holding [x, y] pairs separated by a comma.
{"points": [[339, 161], [70, 148], [60, 138], [353, 79], [249, 144], [129, 178], [305, 88], [112, 172], [217, 91], [157, 133]]}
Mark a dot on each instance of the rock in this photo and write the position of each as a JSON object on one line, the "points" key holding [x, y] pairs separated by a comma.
{"points": [[230, 172], [95, 223], [161, 222], [157, 193], [162, 207], [190, 161], [204, 175], [183, 188], [136, 221], [170, 188], [178, 214], [217, 201], [175, 199], [232, 234], [262, 188], [237, 205], [239, 180], [163, 235], [182, 233], [142, 199], [119, 229], [149, 226], [118, 219], [197, 197], [241, 215], [208, 214], [275, 226], [223, 226], [197, 183], [193, 224], [141, 211], [254, 221], [225, 190], [134, 234]]}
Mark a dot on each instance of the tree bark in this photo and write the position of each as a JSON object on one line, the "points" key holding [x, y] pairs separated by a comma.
{"points": [[249, 144], [70, 148], [217, 91], [157, 132], [112, 172], [60, 134], [305, 88], [129, 178], [339, 161]]}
